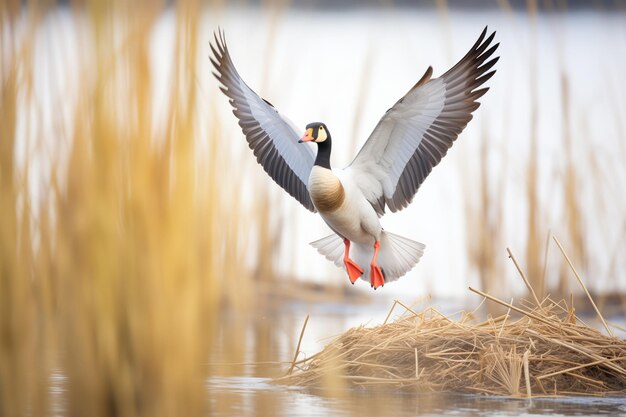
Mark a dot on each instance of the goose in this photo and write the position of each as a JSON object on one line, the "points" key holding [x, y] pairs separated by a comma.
{"points": [[409, 140]]}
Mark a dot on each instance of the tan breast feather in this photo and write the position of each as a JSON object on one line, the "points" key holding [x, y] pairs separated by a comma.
{"points": [[328, 196]]}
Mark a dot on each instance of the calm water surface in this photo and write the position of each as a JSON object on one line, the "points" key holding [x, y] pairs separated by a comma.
{"points": [[252, 349], [247, 390], [249, 396]]}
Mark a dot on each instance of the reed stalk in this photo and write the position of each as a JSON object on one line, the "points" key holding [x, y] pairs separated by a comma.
{"points": [[112, 273]]}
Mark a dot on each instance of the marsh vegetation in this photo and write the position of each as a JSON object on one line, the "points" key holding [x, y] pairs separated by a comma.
{"points": [[142, 253]]}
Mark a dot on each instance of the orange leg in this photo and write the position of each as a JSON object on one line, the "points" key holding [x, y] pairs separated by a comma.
{"points": [[377, 278], [354, 270]]}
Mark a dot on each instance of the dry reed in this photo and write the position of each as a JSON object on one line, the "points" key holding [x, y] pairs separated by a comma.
{"points": [[535, 213], [485, 230], [110, 273], [545, 352]]}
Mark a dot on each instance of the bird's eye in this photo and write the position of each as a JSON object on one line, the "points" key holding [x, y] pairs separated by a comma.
{"points": [[321, 127]]}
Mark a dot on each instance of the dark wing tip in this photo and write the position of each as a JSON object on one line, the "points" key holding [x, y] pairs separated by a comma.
{"points": [[239, 94], [480, 38], [462, 94], [487, 66], [482, 79]]}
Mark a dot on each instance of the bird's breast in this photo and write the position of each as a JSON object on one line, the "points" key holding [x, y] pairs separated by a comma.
{"points": [[327, 192]]}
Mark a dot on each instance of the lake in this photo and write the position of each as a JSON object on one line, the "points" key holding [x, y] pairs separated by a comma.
{"points": [[252, 349]]}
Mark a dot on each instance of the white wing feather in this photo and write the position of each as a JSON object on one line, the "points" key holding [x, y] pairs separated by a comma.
{"points": [[272, 137], [415, 134]]}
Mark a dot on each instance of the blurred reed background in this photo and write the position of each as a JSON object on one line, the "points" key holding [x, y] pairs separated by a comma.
{"points": [[113, 247], [133, 222], [576, 193]]}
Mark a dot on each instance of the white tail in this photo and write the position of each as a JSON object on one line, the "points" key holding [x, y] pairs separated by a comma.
{"points": [[397, 255]]}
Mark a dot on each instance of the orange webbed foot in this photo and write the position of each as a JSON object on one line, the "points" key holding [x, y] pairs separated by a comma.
{"points": [[377, 277], [354, 270]]}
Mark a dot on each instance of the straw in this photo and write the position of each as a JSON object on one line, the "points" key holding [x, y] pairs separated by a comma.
{"points": [[428, 351], [530, 289], [295, 355], [580, 281]]}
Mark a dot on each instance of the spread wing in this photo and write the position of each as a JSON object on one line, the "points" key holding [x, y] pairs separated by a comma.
{"points": [[271, 136], [416, 133]]}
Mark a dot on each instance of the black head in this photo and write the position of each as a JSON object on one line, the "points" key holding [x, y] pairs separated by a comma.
{"points": [[316, 132]]}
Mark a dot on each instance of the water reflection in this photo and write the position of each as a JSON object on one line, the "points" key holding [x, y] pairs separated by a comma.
{"points": [[251, 349], [239, 387], [250, 396], [254, 396]]}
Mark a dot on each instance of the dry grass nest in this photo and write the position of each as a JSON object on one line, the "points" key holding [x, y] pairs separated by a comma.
{"points": [[545, 351]]}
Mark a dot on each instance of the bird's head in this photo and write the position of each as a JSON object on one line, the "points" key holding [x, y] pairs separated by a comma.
{"points": [[315, 132]]}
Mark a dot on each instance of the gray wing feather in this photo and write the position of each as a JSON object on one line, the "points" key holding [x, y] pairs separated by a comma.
{"points": [[416, 133], [271, 137]]}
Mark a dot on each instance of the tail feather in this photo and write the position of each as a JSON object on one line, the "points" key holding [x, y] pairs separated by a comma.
{"points": [[331, 247], [397, 255]]}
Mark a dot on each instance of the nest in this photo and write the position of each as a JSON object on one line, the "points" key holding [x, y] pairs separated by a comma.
{"points": [[545, 351]]}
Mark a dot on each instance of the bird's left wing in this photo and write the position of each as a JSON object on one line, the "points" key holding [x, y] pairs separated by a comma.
{"points": [[415, 134], [271, 136]]}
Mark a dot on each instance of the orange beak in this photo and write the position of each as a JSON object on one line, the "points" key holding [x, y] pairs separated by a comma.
{"points": [[307, 137]]}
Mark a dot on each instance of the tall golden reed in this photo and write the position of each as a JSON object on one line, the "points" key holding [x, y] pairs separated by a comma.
{"points": [[113, 273], [23, 304], [486, 208]]}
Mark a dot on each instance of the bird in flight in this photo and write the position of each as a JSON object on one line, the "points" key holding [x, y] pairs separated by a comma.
{"points": [[408, 141]]}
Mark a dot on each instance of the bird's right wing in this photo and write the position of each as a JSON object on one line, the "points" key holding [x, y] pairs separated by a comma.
{"points": [[271, 137], [416, 133]]}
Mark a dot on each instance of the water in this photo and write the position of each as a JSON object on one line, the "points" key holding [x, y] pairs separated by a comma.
{"points": [[247, 390], [249, 396], [251, 349], [254, 396]]}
